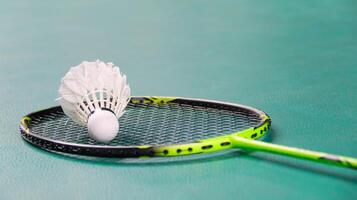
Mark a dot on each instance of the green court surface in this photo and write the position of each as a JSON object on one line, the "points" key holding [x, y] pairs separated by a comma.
{"points": [[295, 60]]}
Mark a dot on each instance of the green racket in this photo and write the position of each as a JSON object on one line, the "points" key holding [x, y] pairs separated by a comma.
{"points": [[167, 126]]}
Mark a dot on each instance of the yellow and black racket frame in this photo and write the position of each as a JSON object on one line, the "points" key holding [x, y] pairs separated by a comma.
{"points": [[196, 147]]}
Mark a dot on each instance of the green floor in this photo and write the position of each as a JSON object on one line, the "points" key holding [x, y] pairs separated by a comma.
{"points": [[296, 60]]}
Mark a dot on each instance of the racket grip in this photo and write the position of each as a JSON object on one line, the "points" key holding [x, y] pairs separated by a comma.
{"points": [[249, 144]]}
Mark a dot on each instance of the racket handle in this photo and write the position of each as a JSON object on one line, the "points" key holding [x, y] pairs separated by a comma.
{"points": [[248, 144]]}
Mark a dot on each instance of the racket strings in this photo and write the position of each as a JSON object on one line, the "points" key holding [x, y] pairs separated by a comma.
{"points": [[152, 124]]}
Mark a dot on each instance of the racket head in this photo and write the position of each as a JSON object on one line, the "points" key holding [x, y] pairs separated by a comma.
{"points": [[150, 127]]}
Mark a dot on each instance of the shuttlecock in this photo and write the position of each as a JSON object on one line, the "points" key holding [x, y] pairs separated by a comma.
{"points": [[95, 94]]}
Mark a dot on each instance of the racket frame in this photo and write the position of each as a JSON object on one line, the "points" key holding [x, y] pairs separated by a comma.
{"points": [[201, 146]]}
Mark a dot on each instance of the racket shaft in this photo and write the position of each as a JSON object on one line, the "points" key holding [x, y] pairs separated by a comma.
{"points": [[342, 161]]}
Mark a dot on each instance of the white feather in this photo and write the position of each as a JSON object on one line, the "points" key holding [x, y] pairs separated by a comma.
{"points": [[93, 85]]}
